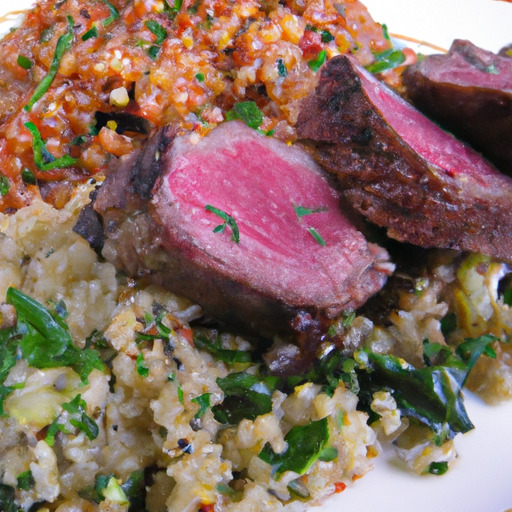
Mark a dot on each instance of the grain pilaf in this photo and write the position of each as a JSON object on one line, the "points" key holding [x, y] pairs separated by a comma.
{"points": [[156, 412]]}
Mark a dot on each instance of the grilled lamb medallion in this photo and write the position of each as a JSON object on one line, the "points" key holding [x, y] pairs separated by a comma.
{"points": [[468, 91], [241, 223], [401, 170]]}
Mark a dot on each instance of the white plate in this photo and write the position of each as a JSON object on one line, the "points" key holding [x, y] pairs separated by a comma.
{"points": [[480, 480]]}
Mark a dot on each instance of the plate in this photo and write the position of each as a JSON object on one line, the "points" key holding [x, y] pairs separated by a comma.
{"points": [[479, 480]]}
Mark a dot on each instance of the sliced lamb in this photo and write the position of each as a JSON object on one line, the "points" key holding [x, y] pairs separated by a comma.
{"points": [[401, 170], [468, 91], [284, 246]]}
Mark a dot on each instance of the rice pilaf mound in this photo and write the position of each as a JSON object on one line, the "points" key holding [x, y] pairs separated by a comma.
{"points": [[113, 396]]}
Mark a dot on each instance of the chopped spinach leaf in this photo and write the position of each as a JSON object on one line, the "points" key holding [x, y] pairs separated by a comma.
{"points": [[305, 446], [248, 112], [63, 45], [245, 396], [25, 480], [204, 403], [438, 468], [44, 338], [7, 495], [222, 354]]}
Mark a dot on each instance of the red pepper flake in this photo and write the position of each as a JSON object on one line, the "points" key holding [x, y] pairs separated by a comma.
{"points": [[339, 487]]}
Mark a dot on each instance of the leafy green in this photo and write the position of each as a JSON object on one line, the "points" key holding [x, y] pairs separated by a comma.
{"points": [[81, 421], [7, 496], [28, 176], [306, 444], [228, 221], [248, 112], [44, 338], [204, 403], [25, 480], [172, 8], [63, 45], [44, 160], [157, 30], [245, 396], [387, 59], [91, 33], [222, 354], [438, 468]]}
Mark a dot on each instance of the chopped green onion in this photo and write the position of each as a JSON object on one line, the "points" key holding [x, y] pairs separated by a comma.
{"points": [[92, 32], [316, 235], [24, 62], [63, 45], [316, 63], [327, 37], [204, 403], [172, 10], [438, 468], [228, 221], [180, 395], [114, 14], [28, 176], [25, 480], [42, 157], [153, 52], [200, 77], [157, 30], [142, 367], [5, 185]]}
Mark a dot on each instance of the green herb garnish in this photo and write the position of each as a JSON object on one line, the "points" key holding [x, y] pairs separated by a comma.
{"points": [[302, 211], [63, 45], [114, 14], [28, 177], [5, 185], [388, 59], [204, 403], [248, 112], [316, 63], [79, 418], [222, 354], [306, 444], [199, 77], [25, 480], [172, 8], [24, 62], [281, 68], [44, 160], [245, 396], [92, 32], [142, 367], [157, 30], [438, 468], [316, 235], [228, 221], [44, 340]]}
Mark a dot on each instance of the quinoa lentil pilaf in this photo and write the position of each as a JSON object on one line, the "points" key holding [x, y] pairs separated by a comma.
{"points": [[155, 411]]}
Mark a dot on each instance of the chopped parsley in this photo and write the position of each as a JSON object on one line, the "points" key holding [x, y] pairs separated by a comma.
{"points": [[228, 221], [317, 236], [302, 211], [227, 355], [25, 480], [63, 45], [438, 468], [200, 77], [160, 34], [91, 33], [281, 68], [28, 176]]}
